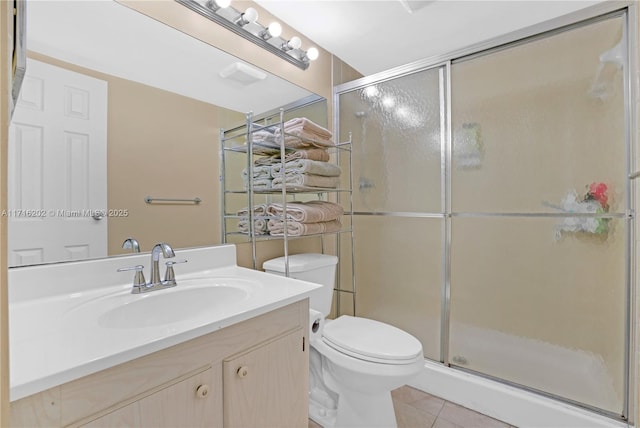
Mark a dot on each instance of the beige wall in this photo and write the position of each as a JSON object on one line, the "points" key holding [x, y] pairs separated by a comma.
{"points": [[164, 145], [343, 72]]}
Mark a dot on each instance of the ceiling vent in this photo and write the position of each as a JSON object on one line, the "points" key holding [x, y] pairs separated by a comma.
{"points": [[242, 73]]}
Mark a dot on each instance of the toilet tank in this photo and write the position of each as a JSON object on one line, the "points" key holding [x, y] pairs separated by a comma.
{"points": [[316, 268]]}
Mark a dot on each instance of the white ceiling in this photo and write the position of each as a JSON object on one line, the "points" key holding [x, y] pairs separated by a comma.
{"points": [[374, 36], [111, 38]]}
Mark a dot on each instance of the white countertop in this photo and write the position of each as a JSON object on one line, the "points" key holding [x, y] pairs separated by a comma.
{"points": [[55, 339]]}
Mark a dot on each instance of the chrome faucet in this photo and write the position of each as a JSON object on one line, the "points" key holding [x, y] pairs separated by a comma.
{"points": [[167, 252], [155, 282], [131, 244]]}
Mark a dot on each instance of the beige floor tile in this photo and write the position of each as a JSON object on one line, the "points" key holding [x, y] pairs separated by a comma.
{"points": [[468, 418], [406, 394], [418, 409], [429, 404], [410, 417], [313, 424], [443, 423]]}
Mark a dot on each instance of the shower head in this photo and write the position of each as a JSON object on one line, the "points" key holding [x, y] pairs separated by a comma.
{"points": [[614, 55], [601, 87], [360, 114]]}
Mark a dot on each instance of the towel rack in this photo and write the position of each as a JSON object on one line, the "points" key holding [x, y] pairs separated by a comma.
{"points": [[634, 175], [150, 199]]}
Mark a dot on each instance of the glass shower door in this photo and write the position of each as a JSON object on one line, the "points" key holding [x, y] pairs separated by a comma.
{"points": [[538, 201], [399, 219]]}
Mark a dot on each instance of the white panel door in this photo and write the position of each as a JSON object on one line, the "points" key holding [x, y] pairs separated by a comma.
{"points": [[57, 167]]}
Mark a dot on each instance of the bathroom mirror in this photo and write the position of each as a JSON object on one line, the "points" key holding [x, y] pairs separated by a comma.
{"points": [[159, 99]]}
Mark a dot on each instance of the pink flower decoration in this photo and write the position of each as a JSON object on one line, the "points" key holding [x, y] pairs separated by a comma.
{"points": [[598, 192]]}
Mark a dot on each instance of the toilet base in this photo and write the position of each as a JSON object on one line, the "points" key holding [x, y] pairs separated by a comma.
{"points": [[356, 411], [372, 411], [322, 408]]}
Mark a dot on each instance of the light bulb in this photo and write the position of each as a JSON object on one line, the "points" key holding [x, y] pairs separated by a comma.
{"points": [[222, 3], [313, 54], [275, 29], [295, 42], [250, 15]]}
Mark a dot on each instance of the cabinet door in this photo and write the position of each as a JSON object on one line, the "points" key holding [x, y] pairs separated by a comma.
{"points": [[189, 403], [267, 386]]}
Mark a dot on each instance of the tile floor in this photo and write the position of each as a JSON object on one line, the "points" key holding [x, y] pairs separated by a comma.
{"points": [[417, 409]]}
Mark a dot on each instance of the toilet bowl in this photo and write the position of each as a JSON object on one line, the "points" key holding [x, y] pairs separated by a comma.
{"points": [[355, 362]]}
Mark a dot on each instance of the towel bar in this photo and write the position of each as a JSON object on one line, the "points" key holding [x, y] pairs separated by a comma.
{"points": [[149, 199]]}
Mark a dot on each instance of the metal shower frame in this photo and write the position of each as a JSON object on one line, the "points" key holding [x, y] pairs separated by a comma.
{"points": [[628, 10]]}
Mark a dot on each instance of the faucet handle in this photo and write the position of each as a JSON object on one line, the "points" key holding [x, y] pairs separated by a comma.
{"points": [[138, 279], [170, 275]]}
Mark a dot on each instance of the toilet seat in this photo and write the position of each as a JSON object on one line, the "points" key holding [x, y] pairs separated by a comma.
{"points": [[371, 340]]}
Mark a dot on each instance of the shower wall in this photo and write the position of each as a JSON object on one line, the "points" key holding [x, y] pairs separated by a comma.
{"points": [[537, 297]]}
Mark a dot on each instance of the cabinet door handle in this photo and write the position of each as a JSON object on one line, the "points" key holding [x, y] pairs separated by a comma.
{"points": [[202, 391], [243, 372]]}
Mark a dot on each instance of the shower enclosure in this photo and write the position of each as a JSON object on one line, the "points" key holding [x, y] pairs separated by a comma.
{"points": [[493, 214]]}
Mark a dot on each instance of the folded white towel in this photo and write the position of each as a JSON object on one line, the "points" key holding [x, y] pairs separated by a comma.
{"points": [[259, 172], [307, 212], [317, 154], [258, 210], [308, 126], [307, 153], [294, 228], [306, 180], [305, 139], [261, 184], [259, 226], [307, 166]]}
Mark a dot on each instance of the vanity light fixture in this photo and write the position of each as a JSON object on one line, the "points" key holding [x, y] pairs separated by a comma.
{"points": [[246, 25], [250, 15], [311, 55], [218, 4], [293, 43], [273, 30]]}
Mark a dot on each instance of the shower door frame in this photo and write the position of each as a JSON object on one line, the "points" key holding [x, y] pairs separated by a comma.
{"points": [[628, 10]]}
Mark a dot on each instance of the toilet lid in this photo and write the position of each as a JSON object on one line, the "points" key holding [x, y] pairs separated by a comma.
{"points": [[371, 340]]}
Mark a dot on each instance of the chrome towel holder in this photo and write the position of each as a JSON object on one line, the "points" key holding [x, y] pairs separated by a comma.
{"points": [[150, 199]]}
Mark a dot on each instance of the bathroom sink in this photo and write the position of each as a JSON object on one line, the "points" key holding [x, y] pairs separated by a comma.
{"points": [[190, 299], [164, 307]]}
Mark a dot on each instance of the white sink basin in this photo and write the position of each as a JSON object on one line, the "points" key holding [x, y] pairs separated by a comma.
{"points": [[191, 298], [163, 307]]}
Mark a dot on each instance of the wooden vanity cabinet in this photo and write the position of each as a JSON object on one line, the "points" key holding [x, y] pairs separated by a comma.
{"points": [[251, 374], [262, 385], [188, 403]]}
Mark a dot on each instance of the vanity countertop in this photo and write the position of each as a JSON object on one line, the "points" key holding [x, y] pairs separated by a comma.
{"points": [[55, 330]]}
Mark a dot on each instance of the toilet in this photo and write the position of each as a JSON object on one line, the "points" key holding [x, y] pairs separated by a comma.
{"points": [[354, 362]]}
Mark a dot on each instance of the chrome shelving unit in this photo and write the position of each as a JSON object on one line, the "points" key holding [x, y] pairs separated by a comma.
{"points": [[239, 151]]}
